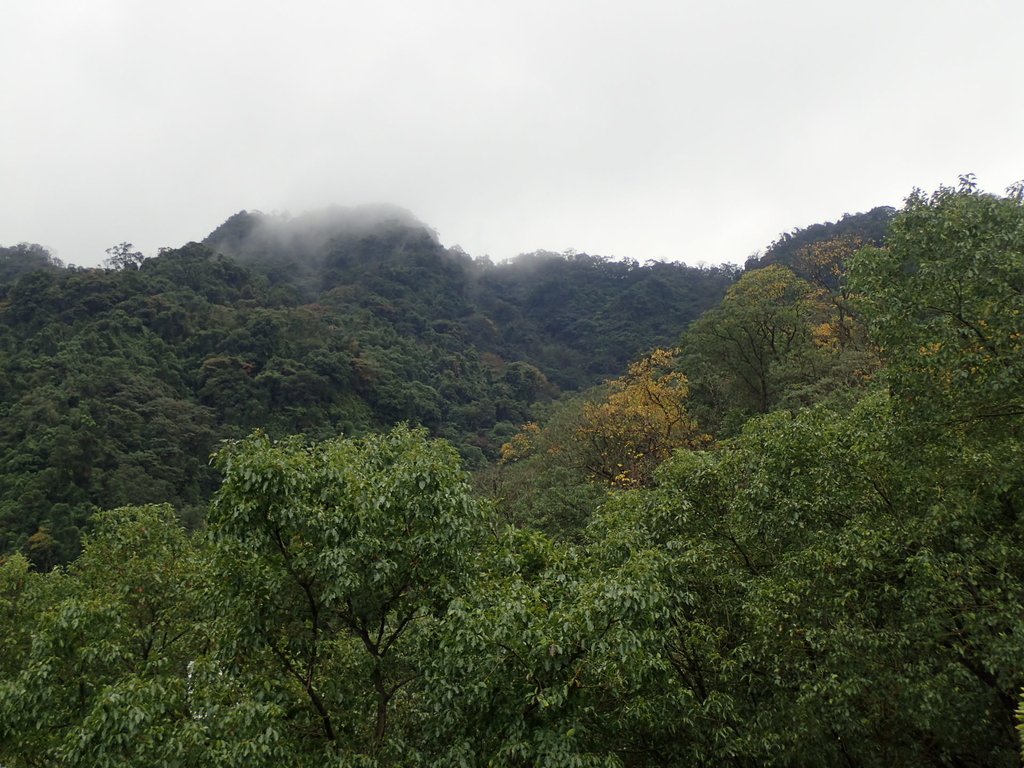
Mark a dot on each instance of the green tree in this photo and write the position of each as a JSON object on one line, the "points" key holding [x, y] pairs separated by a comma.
{"points": [[945, 301], [338, 560], [835, 592], [824, 264], [746, 351], [122, 256], [539, 658], [96, 659]]}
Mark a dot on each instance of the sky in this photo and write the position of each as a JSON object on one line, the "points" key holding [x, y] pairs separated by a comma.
{"points": [[648, 129]]}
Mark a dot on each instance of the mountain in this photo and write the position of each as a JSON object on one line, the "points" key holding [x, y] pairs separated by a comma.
{"points": [[870, 228], [120, 382], [795, 541], [577, 317]]}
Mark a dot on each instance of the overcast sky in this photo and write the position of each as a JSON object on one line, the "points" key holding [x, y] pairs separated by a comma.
{"points": [[683, 130]]}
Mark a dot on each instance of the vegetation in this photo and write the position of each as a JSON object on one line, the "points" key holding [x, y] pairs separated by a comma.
{"points": [[794, 540], [121, 381], [870, 228]]}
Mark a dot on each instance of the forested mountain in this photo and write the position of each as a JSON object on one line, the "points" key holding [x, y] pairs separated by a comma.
{"points": [[120, 381], [795, 538], [579, 318], [868, 228], [19, 259]]}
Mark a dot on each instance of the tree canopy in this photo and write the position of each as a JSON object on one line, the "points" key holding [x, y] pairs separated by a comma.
{"points": [[782, 544]]}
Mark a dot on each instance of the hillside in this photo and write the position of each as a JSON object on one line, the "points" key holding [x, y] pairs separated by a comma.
{"points": [[578, 318], [794, 540], [119, 382], [868, 228]]}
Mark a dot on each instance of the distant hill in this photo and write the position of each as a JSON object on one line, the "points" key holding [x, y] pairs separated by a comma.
{"points": [[300, 249], [120, 381], [579, 318], [871, 227], [17, 260]]}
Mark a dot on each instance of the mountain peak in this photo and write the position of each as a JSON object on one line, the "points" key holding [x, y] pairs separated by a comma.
{"points": [[257, 236]]}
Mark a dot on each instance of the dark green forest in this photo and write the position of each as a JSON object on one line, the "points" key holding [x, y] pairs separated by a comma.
{"points": [[321, 491], [119, 382]]}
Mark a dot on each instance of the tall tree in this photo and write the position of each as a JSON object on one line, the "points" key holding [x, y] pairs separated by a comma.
{"points": [[338, 558], [945, 300], [757, 341]]}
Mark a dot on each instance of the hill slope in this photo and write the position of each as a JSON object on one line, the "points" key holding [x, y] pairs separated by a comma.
{"points": [[121, 381]]}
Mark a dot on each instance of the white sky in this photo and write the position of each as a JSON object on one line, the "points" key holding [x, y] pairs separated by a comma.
{"points": [[649, 129]]}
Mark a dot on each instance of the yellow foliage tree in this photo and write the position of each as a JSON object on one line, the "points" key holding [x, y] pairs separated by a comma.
{"points": [[522, 444], [624, 437], [823, 264]]}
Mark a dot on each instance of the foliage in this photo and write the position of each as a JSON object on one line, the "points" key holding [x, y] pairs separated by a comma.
{"points": [[835, 597], [582, 318], [838, 582], [824, 264], [96, 670], [945, 300], [540, 653], [540, 481], [295, 632], [20, 259], [757, 342], [120, 381], [337, 560], [552, 475], [639, 423], [871, 228], [123, 257]]}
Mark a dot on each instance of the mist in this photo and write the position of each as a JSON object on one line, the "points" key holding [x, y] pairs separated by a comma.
{"points": [[670, 131], [250, 235]]}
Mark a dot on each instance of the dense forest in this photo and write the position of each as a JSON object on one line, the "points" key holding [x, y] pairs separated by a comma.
{"points": [[119, 382], [560, 511]]}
